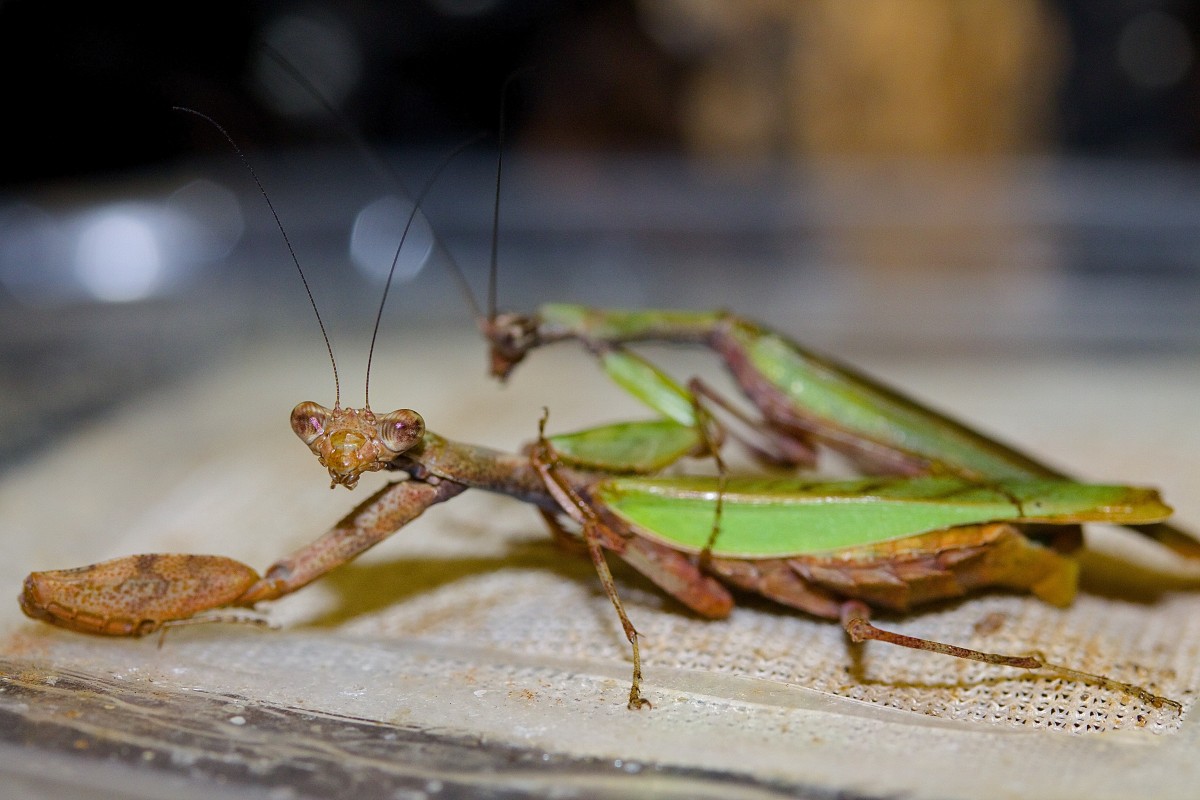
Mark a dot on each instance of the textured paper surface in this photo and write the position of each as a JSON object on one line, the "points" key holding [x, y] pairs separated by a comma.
{"points": [[471, 621]]}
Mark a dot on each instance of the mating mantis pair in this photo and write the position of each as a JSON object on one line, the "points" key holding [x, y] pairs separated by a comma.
{"points": [[943, 510]]}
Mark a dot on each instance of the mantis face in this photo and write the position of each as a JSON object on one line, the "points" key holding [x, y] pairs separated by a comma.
{"points": [[349, 441], [510, 336]]}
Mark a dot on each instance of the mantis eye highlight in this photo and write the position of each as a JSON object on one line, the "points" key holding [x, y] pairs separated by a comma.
{"points": [[400, 430], [308, 421]]}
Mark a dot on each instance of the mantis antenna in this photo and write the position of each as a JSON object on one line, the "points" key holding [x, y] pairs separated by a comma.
{"points": [[492, 263], [337, 387], [386, 170], [441, 166]]}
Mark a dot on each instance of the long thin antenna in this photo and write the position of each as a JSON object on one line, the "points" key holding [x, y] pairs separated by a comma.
{"points": [[387, 286], [337, 386], [493, 270], [345, 124], [380, 165]]}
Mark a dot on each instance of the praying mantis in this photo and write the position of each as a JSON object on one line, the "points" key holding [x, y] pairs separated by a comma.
{"points": [[939, 510]]}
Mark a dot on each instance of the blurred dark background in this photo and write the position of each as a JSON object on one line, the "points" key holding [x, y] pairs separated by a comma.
{"points": [[409, 73], [90, 91], [918, 177]]}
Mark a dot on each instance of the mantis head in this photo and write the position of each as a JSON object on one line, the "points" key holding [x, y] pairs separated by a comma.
{"points": [[349, 442], [511, 336]]}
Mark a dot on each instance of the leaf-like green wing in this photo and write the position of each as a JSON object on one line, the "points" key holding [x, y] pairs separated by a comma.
{"points": [[766, 518], [835, 402], [640, 447], [837, 398], [649, 384]]}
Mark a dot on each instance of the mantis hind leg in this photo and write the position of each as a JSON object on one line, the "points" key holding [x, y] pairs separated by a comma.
{"points": [[855, 618]]}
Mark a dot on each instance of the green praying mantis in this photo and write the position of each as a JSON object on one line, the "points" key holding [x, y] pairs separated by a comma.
{"points": [[939, 510]]}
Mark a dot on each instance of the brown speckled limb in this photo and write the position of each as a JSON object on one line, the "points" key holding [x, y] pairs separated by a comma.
{"points": [[135, 595], [596, 535], [855, 617], [374, 520]]}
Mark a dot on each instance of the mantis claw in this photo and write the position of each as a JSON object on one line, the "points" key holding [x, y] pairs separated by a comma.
{"points": [[136, 595]]}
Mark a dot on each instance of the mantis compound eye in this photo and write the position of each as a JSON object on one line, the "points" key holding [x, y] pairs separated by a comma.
{"points": [[308, 421], [400, 430]]}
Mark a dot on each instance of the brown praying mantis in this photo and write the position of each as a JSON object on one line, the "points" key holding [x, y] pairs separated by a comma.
{"points": [[939, 511]]}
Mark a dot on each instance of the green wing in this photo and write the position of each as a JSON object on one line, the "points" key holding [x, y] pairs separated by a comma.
{"points": [[766, 518], [643, 446], [838, 398], [649, 384]]}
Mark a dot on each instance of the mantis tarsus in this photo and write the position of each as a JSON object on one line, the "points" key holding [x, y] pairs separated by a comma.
{"points": [[944, 511]]}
